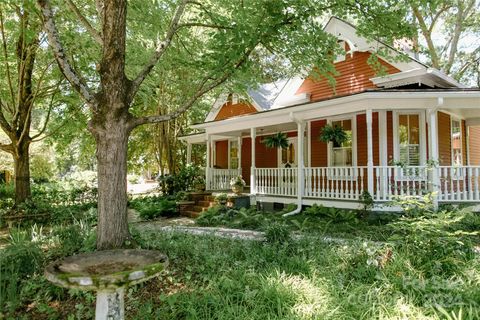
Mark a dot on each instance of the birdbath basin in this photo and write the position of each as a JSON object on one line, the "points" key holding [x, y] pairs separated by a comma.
{"points": [[108, 273]]}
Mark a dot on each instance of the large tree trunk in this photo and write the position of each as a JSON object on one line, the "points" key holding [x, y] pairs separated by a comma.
{"points": [[22, 173], [112, 229]]}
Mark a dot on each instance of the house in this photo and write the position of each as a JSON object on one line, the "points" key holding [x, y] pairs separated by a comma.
{"points": [[409, 131]]}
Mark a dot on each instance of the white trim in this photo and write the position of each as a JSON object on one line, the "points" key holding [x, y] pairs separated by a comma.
{"points": [[378, 100], [430, 77], [382, 137], [309, 143], [422, 136]]}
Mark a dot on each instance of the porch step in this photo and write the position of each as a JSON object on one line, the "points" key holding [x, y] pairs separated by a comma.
{"points": [[205, 203], [199, 208]]}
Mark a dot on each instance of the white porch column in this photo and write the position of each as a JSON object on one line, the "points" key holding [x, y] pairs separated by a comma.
{"points": [[239, 143], [189, 153], [370, 152], [309, 144], [382, 133], [301, 163], [253, 135], [208, 164], [433, 154]]}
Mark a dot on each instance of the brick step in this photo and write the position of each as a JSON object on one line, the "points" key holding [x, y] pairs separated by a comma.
{"points": [[199, 208], [191, 214], [204, 203], [209, 198]]}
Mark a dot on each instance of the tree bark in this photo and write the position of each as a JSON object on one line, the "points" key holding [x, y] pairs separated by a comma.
{"points": [[112, 142], [22, 173]]}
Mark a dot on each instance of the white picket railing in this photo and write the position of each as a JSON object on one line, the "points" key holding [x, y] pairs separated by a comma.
{"points": [[276, 181], [391, 182], [459, 183], [335, 182], [454, 183], [220, 178]]}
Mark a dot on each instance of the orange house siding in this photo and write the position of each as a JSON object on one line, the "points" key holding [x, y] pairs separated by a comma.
{"points": [[464, 143], [474, 145], [389, 137], [229, 110], [444, 139], [319, 149], [221, 154], [354, 76]]}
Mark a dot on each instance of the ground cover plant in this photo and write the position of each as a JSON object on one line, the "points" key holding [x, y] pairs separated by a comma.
{"points": [[152, 207], [432, 272], [316, 220]]}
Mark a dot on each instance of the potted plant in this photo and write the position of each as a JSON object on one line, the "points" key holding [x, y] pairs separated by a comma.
{"points": [[333, 133], [237, 183], [278, 140], [221, 199], [199, 183]]}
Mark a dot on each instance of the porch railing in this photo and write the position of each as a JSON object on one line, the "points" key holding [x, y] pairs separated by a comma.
{"points": [[276, 181], [459, 184], [453, 183], [391, 182], [220, 178], [335, 182]]}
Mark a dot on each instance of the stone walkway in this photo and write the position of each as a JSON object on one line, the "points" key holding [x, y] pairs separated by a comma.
{"points": [[228, 233]]}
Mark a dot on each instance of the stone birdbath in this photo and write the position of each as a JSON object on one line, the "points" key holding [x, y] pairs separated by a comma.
{"points": [[108, 273]]}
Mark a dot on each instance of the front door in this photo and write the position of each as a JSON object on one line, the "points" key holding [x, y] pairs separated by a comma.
{"points": [[287, 158]]}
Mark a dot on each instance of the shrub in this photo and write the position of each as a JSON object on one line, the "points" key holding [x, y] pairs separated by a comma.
{"points": [[183, 180], [154, 207], [277, 233]]}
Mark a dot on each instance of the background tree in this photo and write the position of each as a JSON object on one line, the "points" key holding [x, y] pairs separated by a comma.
{"points": [[29, 83], [216, 42], [448, 30]]}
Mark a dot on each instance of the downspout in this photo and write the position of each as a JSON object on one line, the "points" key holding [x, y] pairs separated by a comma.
{"points": [[300, 166]]}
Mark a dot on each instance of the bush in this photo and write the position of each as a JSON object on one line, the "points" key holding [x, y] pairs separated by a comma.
{"points": [[332, 214], [184, 180], [154, 207], [277, 233]]}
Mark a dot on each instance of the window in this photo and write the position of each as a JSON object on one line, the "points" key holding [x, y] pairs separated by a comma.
{"points": [[409, 139], [456, 142], [233, 155], [342, 154]]}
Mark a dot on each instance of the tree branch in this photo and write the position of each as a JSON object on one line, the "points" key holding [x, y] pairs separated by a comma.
{"points": [[7, 67], [47, 119], [201, 90], [54, 40], [7, 148], [93, 32], [161, 48]]}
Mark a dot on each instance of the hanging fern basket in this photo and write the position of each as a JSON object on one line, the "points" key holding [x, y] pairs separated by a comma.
{"points": [[277, 141], [335, 134]]}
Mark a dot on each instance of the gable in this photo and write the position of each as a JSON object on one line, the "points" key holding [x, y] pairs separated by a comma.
{"points": [[230, 109], [354, 76]]}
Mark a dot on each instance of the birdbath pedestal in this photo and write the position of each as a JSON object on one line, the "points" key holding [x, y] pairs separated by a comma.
{"points": [[108, 273]]}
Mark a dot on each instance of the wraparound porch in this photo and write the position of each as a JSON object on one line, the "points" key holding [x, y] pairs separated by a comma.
{"points": [[427, 134], [450, 184]]}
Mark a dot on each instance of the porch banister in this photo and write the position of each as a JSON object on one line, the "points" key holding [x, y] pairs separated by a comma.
{"points": [[253, 135], [434, 157], [370, 152], [207, 167]]}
